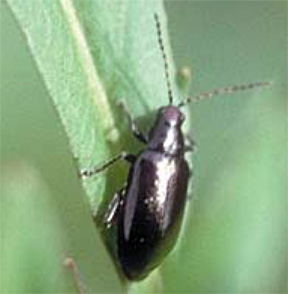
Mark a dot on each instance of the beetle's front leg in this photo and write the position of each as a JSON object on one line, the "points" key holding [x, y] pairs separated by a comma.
{"points": [[134, 128], [114, 207], [190, 146]]}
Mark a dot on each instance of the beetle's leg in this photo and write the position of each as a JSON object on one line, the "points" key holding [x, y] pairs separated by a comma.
{"points": [[113, 208], [97, 169], [134, 128], [190, 145]]}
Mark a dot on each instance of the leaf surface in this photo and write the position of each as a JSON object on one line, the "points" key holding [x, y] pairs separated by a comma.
{"points": [[90, 54]]}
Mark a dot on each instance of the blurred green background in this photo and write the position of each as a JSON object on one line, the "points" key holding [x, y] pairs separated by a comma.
{"points": [[235, 239]]}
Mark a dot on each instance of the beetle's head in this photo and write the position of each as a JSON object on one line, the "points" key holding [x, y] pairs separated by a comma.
{"points": [[166, 135], [171, 116]]}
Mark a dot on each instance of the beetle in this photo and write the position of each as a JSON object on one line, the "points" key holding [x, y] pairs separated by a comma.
{"points": [[148, 211]]}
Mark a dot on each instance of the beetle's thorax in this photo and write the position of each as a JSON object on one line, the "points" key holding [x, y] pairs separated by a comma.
{"points": [[166, 134]]}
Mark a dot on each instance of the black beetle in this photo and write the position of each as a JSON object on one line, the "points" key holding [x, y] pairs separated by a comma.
{"points": [[148, 211]]}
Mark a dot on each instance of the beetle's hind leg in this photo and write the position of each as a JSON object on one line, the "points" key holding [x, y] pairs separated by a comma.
{"points": [[134, 128], [86, 173], [114, 208]]}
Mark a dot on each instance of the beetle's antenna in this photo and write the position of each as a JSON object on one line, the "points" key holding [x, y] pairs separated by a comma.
{"points": [[160, 41], [225, 90]]}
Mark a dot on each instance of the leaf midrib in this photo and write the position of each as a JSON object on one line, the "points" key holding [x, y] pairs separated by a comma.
{"points": [[98, 94]]}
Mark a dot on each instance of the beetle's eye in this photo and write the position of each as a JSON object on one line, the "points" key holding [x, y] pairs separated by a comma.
{"points": [[166, 123]]}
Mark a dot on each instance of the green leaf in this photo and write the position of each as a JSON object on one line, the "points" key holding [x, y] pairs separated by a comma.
{"points": [[91, 53], [236, 239], [32, 252]]}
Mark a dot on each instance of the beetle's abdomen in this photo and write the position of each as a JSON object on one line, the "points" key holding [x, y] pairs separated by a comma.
{"points": [[152, 212]]}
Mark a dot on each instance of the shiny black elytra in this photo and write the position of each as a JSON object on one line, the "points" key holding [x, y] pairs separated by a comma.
{"points": [[148, 211]]}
